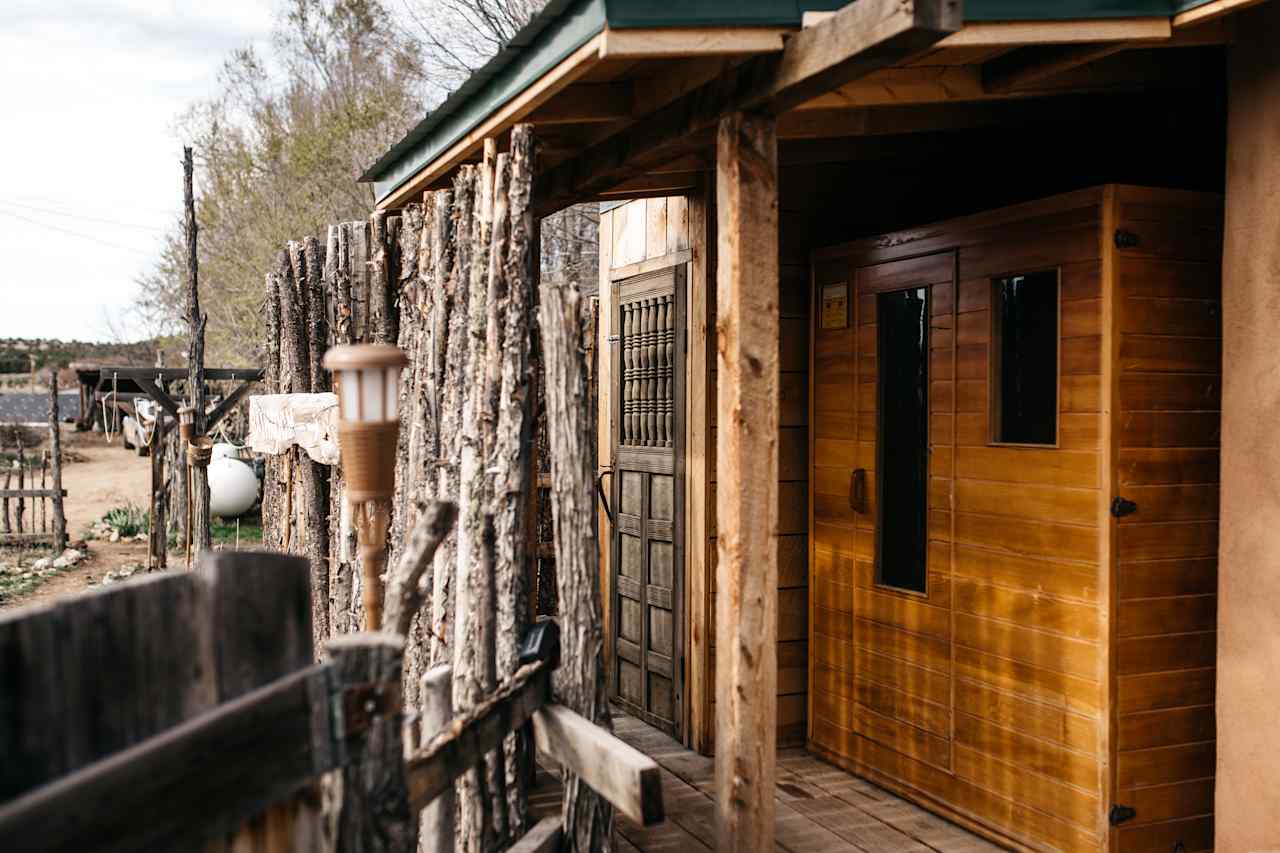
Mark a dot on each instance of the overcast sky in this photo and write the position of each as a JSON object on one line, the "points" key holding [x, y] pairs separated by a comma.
{"points": [[90, 163]]}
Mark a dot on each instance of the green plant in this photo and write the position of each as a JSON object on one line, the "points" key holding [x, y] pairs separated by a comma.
{"points": [[223, 532], [128, 520]]}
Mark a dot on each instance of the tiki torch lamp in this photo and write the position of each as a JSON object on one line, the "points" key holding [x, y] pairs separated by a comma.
{"points": [[367, 377]]}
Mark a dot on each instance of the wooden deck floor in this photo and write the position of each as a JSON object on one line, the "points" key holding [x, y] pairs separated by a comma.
{"points": [[821, 808]]}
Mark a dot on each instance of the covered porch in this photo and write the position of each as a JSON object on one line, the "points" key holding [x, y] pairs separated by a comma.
{"points": [[819, 806], [759, 173]]}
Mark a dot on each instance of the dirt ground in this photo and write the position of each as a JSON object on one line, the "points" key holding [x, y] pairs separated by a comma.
{"points": [[97, 477]]}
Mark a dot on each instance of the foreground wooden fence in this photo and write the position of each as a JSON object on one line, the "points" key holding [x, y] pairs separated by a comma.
{"points": [[185, 710]]}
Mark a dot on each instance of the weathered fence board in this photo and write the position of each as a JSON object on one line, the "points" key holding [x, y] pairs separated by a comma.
{"points": [[150, 677], [188, 784]]}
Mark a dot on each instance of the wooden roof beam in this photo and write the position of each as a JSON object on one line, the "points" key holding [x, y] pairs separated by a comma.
{"points": [[1026, 67], [586, 103], [859, 39]]}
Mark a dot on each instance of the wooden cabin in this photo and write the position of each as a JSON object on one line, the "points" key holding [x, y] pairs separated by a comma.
{"points": [[1012, 639], [915, 398]]}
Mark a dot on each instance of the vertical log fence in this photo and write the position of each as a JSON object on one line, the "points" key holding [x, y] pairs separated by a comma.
{"points": [[453, 281]]}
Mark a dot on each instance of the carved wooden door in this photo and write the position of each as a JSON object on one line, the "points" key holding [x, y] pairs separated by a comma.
{"points": [[647, 332]]}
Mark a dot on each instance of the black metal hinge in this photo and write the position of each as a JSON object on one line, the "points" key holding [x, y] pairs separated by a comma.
{"points": [[1125, 239], [1120, 507], [1120, 814]]}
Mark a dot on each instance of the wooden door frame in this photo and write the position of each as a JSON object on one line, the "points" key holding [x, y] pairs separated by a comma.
{"points": [[677, 263]]}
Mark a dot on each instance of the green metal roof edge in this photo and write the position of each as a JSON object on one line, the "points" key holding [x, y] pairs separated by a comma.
{"points": [[558, 30], [563, 26]]}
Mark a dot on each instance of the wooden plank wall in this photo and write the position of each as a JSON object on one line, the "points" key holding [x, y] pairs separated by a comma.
{"points": [[987, 698], [1167, 429], [639, 235]]}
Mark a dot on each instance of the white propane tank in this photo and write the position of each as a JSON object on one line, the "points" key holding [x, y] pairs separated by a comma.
{"points": [[232, 487], [223, 448]]}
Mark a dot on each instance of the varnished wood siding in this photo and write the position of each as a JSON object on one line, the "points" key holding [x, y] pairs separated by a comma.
{"points": [[986, 698], [1168, 374]]}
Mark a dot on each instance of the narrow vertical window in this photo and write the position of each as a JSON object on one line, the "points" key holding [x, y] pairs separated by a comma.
{"points": [[902, 475], [1024, 401]]}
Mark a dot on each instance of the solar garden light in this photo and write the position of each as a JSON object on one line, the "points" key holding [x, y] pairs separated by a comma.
{"points": [[367, 378]]}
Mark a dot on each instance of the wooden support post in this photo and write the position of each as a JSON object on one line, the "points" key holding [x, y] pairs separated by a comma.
{"points": [[436, 700], [159, 530], [21, 508], [55, 458], [747, 493], [375, 803], [4, 505], [196, 322]]}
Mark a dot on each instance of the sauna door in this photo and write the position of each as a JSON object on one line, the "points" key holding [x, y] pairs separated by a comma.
{"points": [[900, 493], [647, 576]]}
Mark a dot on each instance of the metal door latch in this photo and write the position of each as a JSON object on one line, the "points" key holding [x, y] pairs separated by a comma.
{"points": [[1120, 507], [1125, 239], [1120, 814]]}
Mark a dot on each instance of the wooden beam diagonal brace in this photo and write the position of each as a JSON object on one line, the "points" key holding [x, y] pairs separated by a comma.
{"points": [[1024, 68], [859, 39], [228, 403]]}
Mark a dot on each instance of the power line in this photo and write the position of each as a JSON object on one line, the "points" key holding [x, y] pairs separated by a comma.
{"points": [[79, 234], [81, 216], [81, 202]]}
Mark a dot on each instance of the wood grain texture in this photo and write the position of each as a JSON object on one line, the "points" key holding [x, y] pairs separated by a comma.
{"points": [[1169, 343], [747, 498], [985, 695]]}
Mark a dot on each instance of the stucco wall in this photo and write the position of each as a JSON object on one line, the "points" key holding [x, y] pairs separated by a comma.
{"points": [[1248, 793]]}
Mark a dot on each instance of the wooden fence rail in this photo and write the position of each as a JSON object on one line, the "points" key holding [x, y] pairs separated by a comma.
{"points": [[184, 709]]}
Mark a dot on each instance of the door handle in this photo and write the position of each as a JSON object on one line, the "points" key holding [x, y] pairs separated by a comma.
{"points": [[858, 490], [600, 491]]}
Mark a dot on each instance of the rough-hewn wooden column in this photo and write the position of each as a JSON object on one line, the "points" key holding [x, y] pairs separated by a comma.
{"points": [[747, 489]]}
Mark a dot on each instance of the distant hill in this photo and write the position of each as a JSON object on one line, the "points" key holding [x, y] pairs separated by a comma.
{"points": [[16, 354]]}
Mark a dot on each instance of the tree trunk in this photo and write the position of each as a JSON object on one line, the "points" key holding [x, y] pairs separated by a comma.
{"points": [[580, 682], [55, 457]]}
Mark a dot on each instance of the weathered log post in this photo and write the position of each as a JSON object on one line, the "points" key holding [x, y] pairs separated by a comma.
{"points": [[196, 322], [315, 476], [20, 510], [375, 816], [342, 545], [159, 530], [580, 681], [514, 251], [55, 457], [436, 704], [271, 481], [747, 466], [474, 673], [445, 352]]}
